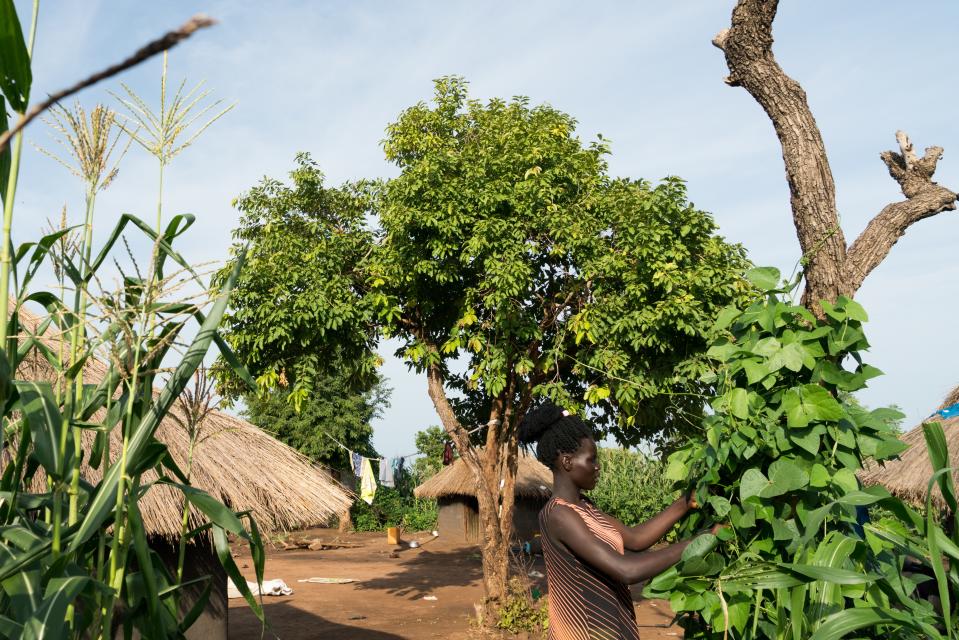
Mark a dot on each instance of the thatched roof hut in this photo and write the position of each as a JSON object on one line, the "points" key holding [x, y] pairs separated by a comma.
{"points": [[533, 480], [233, 460], [908, 476], [454, 489]]}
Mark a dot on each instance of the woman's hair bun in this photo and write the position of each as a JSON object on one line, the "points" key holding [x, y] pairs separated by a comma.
{"points": [[537, 421]]}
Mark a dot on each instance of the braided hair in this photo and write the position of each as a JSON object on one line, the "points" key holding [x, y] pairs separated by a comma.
{"points": [[553, 432]]}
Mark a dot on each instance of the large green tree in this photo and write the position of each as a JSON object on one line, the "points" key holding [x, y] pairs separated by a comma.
{"points": [[510, 265], [332, 416]]}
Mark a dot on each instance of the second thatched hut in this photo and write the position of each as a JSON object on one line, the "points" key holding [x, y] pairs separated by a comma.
{"points": [[454, 489], [907, 477]]}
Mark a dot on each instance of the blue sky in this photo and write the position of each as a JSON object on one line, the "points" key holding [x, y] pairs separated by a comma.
{"points": [[327, 77]]}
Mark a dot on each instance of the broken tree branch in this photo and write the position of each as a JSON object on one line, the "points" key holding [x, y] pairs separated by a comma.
{"points": [[924, 199], [831, 269], [157, 46]]}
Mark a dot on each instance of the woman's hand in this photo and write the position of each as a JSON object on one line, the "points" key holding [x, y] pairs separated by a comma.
{"points": [[691, 503]]}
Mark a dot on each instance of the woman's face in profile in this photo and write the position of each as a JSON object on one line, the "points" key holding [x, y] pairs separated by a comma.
{"points": [[583, 467]]}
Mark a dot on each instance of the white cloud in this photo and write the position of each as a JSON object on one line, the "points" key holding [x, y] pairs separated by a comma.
{"points": [[327, 77]]}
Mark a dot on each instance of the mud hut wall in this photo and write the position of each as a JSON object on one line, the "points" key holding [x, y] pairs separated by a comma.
{"points": [[526, 517], [458, 518], [200, 560]]}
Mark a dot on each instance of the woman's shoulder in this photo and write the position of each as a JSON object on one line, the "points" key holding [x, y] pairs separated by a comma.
{"points": [[559, 505]]}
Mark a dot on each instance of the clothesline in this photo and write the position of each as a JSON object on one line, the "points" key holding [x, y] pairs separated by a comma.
{"points": [[408, 455]]}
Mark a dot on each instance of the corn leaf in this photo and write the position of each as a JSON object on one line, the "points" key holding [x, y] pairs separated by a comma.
{"points": [[939, 459], [101, 506], [46, 426], [47, 622], [224, 553], [842, 623], [15, 74]]}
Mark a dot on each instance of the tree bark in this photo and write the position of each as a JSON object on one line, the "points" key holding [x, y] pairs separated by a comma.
{"points": [[831, 268], [494, 469]]}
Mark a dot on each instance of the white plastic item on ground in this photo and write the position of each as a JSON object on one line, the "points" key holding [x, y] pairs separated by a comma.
{"points": [[269, 588], [328, 580]]}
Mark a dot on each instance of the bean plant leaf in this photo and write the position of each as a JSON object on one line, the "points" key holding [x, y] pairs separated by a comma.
{"points": [[752, 484], [765, 278], [700, 546], [807, 403], [784, 476]]}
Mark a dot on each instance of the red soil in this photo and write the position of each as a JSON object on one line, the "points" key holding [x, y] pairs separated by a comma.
{"points": [[386, 601]]}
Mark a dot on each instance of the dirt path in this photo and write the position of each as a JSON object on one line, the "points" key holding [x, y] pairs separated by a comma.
{"points": [[386, 601]]}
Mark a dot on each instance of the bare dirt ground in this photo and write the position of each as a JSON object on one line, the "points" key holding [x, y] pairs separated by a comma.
{"points": [[386, 601]]}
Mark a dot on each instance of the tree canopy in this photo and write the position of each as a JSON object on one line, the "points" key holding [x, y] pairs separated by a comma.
{"points": [[508, 263]]}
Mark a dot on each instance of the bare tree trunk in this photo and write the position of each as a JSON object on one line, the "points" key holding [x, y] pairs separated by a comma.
{"points": [[831, 268], [346, 522], [495, 471]]}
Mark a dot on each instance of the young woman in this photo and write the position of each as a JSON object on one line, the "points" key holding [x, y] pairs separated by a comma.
{"points": [[588, 563]]}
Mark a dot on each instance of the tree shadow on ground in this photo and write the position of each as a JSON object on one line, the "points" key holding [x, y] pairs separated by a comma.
{"points": [[419, 575], [287, 621]]}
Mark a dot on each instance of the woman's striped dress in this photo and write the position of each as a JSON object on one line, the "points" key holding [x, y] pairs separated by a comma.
{"points": [[585, 604]]}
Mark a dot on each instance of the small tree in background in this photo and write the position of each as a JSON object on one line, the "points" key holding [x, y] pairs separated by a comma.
{"points": [[430, 442], [332, 414], [509, 265]]}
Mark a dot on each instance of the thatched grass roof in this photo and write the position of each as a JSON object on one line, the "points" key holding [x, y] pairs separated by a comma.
{"points": [[234, 461], [533, 480], [908, 476]]}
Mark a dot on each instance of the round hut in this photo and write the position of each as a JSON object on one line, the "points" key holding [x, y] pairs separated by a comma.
{"points": [[229, 458], [454, 489], [907, 477]]}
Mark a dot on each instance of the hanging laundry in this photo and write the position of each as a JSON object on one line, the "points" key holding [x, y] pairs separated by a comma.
{"points": [[367, 482], [357, 461], [448, 453], [386, 473]]}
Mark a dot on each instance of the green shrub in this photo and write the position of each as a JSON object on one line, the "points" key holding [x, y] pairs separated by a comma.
{"points": [[779, 455], [395, 506], [523, 611], [632, 486]]}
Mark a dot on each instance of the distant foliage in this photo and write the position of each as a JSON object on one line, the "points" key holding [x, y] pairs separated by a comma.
{"points": [[396, 506], [430, 442], [632, 486], [333, 413]]}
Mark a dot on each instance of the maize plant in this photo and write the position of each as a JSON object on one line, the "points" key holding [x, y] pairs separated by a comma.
{"points": [[83, 388]]}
